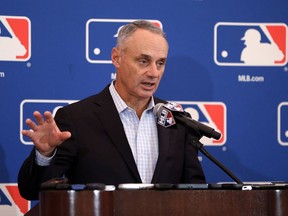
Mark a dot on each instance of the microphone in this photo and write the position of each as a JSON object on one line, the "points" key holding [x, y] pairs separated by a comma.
{"points": [[166, 119], [168, 113]]}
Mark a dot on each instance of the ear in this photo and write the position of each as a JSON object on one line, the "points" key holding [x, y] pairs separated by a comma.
{"points": [[115, 57]]}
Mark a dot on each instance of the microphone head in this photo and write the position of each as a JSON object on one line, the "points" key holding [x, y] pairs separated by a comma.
{"points": [[167, 113], [164, 116], [157, 107]]}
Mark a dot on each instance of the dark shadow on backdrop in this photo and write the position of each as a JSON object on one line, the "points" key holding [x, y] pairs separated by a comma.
{"points": [[185, 79], [4, 177], [229, 159]]}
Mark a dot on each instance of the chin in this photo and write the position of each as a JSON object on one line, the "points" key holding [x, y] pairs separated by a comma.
{"points": [[146, 96]]}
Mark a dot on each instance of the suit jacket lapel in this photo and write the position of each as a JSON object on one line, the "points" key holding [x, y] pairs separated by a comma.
{"points": [[164, 140], [164, 143], [109, 117]]}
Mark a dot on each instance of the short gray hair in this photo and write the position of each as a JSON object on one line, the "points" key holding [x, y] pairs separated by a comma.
{"points": [[127, 30]]}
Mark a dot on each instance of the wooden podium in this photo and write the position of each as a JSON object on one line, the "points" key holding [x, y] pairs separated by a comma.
{"points": [[162, 202]]}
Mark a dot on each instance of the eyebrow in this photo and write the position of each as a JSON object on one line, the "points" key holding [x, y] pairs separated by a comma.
{"points": [[149, 57], [144, 56]]}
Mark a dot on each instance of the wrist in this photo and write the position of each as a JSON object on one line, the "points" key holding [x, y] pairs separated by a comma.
{"points": [[49, 153]]}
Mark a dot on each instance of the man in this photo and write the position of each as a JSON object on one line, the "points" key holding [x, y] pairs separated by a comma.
{"points": [[112, 137]]}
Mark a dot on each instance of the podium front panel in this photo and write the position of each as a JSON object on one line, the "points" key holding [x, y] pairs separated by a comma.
{"points": [[163, 202], [74, 203]]}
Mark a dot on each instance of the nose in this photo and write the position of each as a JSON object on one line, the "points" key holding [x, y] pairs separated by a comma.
{"points": [[154, 70]]}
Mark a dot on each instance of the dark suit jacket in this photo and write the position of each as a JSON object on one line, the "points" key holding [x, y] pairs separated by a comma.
{"points": [[98, 150]]}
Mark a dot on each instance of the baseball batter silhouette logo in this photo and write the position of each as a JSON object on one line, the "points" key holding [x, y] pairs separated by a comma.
{"points": [[15, 38], [11, 202], [28, 106], [282, 123], [101, 36], [250, 44], [212, 114]]}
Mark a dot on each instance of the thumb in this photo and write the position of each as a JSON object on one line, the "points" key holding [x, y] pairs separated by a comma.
{"points": [[64, 135]]}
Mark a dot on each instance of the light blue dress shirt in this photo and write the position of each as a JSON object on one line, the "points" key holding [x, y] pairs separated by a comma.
{"points": [[141, 133]]}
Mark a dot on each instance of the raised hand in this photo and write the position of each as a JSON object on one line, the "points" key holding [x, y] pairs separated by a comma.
{"points": [[45, 133]]}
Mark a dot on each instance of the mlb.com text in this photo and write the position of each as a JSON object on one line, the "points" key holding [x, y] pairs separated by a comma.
{"points": [[248, 78]]}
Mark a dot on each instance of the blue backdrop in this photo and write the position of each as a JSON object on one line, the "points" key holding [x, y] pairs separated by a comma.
{"points": [[53, 53]]}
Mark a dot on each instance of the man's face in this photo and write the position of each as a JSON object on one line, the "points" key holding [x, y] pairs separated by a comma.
{"points": [[140, 65]]}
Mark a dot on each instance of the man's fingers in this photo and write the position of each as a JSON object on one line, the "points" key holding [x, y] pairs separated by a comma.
{"points": [[31, 124], [49, 117], [27, 133], [39, 118]]}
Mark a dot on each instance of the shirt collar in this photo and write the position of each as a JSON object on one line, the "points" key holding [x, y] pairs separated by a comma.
{"points": [[120, 103]]}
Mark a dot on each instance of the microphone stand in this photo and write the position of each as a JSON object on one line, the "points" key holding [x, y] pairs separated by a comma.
{"points": [[195, 141]]}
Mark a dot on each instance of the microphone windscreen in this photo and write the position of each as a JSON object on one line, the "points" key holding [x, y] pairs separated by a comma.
{"points": [[156, 108]]}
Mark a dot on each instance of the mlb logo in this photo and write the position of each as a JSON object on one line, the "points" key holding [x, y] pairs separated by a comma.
{"points": [[101, 36], [15, 38], [11, 202], [250, 44], [283, 123], [212, 114], [166, 118], [28, 106]]}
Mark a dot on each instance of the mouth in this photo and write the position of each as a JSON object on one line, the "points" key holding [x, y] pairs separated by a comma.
{"points": [[148, 84]]}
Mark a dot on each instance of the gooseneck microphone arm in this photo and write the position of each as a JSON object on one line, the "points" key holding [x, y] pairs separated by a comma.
{"points": [[195, 142]]}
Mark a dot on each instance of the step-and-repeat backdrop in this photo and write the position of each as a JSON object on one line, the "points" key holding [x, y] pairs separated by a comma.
{"points": [[227, 66]]}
